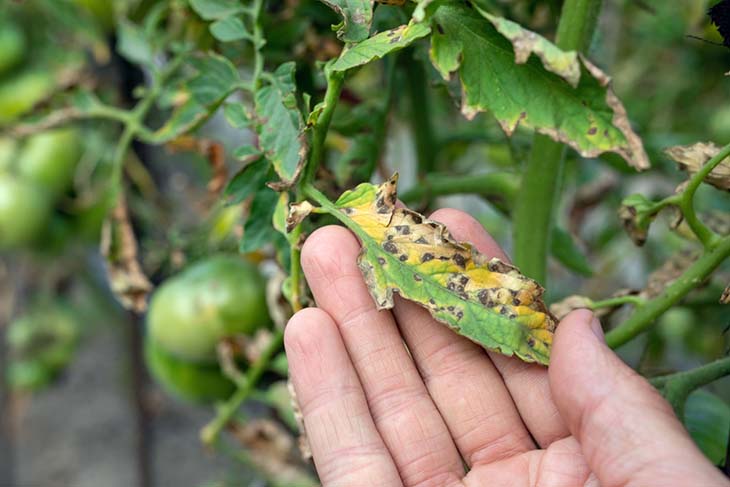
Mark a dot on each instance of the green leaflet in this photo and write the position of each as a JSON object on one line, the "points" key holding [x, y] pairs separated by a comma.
{"points": [[357, 15], [280, 125], [588, 118], [380, 45], [485, 300]]}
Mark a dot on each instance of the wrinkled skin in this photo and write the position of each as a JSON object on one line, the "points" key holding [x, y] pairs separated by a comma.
{"points": [[444, 412]]}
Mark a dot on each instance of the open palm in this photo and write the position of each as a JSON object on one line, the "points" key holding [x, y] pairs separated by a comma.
{"points": [[395, 398]]}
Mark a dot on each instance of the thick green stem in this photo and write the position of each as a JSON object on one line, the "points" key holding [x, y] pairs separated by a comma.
{"points": [[210, 432], [677, 387], [420, 114], [499, 186], [645, 314], [542, 181], [335, 81]]}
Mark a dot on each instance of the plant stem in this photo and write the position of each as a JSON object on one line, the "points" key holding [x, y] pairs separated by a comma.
{"points": [[645, 314], [686, 202], [678, 386], [420, 114], [295, 269], [335, 81], [542, 180], [258, 42], [618, 301], [502, 186], [210, 432]]}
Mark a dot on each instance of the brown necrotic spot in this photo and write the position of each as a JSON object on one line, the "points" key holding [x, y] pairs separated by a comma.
{"points": [[417, 219], [431, 301], [403, 229], [464, 280], [390, 247], [381, 261], [417, 278], [426, 257], [421, 240], [460, 260], [403, 258], [348, 211], [531, 342], [459, 315]]}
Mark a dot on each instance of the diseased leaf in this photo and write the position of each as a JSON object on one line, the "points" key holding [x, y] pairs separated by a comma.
{"points": [[357, 15], [588, 117], [691, 158], [237, 115], [297, 213], [487, 301], [280, 125], [525, 43], [380, 45], [637, 213]]}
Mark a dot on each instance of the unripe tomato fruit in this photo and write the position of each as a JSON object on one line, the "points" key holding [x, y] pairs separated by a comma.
{"points": [[41, 343], [24, 211], [214, 298], [49, 159], [185, 380], [12, 45], [21, 92]]}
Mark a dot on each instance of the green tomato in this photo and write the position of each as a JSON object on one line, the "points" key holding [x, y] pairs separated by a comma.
{"points": [[24, 211], [28, 375], [12, 46], [49, 159], [189, 381], [217, 297], [20, 93]]}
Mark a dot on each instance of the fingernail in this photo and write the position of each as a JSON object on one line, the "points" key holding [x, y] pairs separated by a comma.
{"points": [[597, 329]]}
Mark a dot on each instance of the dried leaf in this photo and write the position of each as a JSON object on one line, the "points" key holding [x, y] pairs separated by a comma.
{"points": [[665, 275], [297, 213], [691, 158], [725, 298], [304, 449], [270, 447], [119, 247], [214, 153], [561, 308], [637, 213], [357, 15], [487, 301]]}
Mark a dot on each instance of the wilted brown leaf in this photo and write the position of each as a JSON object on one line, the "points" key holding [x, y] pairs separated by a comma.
{"points": [[119, 247], [691, 158]]}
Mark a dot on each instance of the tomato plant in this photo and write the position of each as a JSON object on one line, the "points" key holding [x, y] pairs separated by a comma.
{"points": [[197, 143]]}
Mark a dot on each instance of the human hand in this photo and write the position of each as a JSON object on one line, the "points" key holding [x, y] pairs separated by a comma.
{"points": [[444, 412]]}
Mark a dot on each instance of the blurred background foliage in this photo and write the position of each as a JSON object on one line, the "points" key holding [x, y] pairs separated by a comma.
{"points": [[185, 201]]}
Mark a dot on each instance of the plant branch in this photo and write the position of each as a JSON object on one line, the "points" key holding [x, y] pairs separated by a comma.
{"points": [[335, 81], [209, 434], [677, 387], [645, 314], [534, 212], [686, 201], [617, 301], [420, 114]]}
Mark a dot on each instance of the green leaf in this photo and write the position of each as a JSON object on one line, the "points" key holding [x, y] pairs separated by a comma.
{"points": [[258, 230], [380, 45], [564, 248], [588, 118], [357, 15], [246, 151], [216, 9], [216, 78], [247, 181], [707, 418], [133, 45], [229, 29], [485, 300], [185, 118], [236, 115], [280, 125]]}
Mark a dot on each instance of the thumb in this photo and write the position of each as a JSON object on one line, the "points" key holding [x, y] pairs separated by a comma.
{"points": [[628, 433]]}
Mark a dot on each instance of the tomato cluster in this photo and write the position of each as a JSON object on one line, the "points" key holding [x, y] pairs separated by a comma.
{"points": [[190, 313]]}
